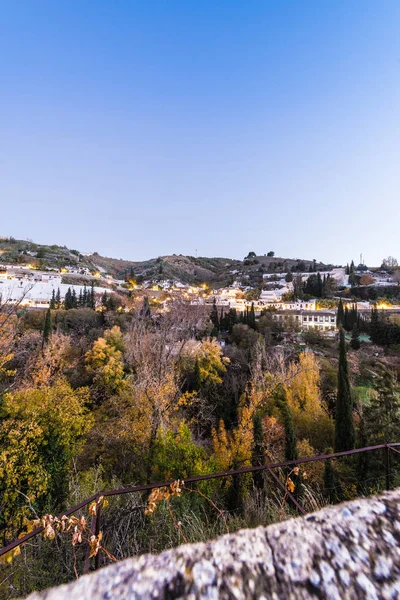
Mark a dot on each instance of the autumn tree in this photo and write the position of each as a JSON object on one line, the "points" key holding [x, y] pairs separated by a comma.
{"points": [[301, 383], [105, 362], [40, 432], [366, 279], [154, 353]]}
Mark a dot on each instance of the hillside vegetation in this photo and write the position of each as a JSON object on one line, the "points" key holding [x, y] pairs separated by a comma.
{"points": [[187, 269]]}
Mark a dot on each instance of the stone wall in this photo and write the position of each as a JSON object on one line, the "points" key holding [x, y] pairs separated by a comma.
{"points": [[343, 552]]}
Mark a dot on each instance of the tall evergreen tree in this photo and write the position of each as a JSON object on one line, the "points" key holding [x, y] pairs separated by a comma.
{"points": [[344, 422], [355, 338], [346, 320], [85, 297], [214, 317], [252, 317], [145, 311], [47, 328], [52, 304], [58, 298], [74, 299], [290, 435], [320, 286], [68, 300], [104, 300], [340, 314], [232, 319], [289, 277], [92, 300], [382, 414]]}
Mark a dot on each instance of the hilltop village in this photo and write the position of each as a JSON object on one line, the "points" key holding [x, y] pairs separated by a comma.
{"points": [[305, 295]]}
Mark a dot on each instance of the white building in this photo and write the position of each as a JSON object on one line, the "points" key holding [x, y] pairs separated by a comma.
{"points": [[320, 320]]}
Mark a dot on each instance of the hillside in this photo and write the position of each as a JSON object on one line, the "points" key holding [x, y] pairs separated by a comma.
{"points": [[187, 269]]}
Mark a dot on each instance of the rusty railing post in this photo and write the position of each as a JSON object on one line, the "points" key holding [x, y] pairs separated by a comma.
{"points": [[387, 466], [97, 531], [93, 529]]}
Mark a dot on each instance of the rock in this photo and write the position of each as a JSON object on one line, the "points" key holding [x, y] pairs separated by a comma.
{"points": [[349, 551]]}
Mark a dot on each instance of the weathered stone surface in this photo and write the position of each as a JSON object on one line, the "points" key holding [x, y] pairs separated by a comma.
{"points": [[351, 551]]}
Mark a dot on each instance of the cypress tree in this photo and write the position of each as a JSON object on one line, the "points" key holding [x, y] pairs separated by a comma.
{"points": [[340, 314], [92, 301], [252, 317], [85, 297], [382, 415], [344, 422], [80, 299], [375, 326], [68, 299], [52, 304], [104, 300], [47, 328], [290, 435], [355, 338], [214, 316], [74, 299], [231, 319], [58, 298], [319, 285], [346, 318], [145, 311]]}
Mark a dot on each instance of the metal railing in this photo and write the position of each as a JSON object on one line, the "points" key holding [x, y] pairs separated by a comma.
{"points": [[95, 524]]}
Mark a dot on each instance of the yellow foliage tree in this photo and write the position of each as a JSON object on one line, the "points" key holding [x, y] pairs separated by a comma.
{"points": [[7, 333], [302, 387], [23, 472], [210, 360], [39, 434], [233, 449], [47, 363], [105, 361]]}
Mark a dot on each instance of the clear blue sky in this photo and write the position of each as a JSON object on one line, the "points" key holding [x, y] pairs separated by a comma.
{"points": [[138, 129]]}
